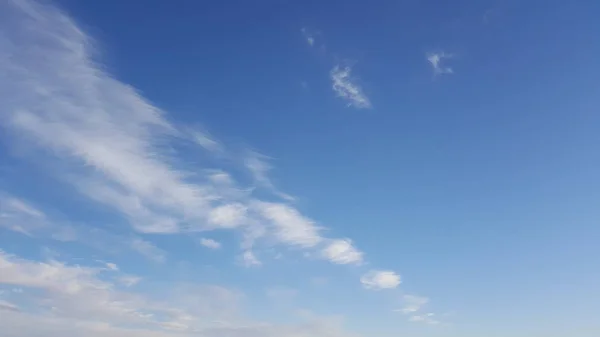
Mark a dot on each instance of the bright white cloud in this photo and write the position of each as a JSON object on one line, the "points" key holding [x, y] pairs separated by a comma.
{"points": [[435, 59], [344, 86], [228, 216], [210, 243], [380, 279], [342, 251]]}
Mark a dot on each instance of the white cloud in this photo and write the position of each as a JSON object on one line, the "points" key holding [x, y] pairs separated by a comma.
{"points": [[148, 249], [110, 135], [345, 87], [82, 295], [309, 36], [380, 279], [110, 142], [7, 306], [435, 59], [12, 204], [112, 266], [206, 141], [78, 301], [129, 280], [112, 145], [341, 251], [428, 318], [210, 243], [288, 225], [248, 259], [413, 303], [53, 275], [258, 165], [19, 216], [228, 216]]}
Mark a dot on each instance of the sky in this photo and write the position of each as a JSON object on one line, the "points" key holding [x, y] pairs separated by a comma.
{"points": [[299, 168]]}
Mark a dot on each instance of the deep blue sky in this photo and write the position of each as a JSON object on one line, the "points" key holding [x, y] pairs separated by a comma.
{"points": [[472, 171]]}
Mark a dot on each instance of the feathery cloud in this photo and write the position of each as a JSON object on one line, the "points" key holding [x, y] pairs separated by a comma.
{"points": [[308, 35], [110, 141], [428, 318], [288, 225], [148, 249], [19, 216], [435, 60], [413, 303], [380, 279], [259, 166], [345, 87]]}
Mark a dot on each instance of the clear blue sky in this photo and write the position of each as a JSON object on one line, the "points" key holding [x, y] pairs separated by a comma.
{"points": [[294, 168]]}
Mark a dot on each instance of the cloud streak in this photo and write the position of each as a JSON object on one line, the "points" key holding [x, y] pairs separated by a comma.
{"points": [[345, 87], [113, 146], [110, 141], [435, 60]]}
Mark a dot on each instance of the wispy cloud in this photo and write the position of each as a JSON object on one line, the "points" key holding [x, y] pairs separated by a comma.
{"points": [[210, 243], [81, 294], [7, 306], [112, 145], [412, 307], [281, 295], [248, 259], [380, 279], [111, 266], [428, 318], [413, 303], [128, 280], [345, 87], [435, 59], [19, 216], [206, 141], [148, 249], [342, 251], [308, 35], [115, 157], [259, 166], [288, 225]]}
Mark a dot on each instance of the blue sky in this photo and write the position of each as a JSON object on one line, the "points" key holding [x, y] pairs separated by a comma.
{"points": [[299, 168]]}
